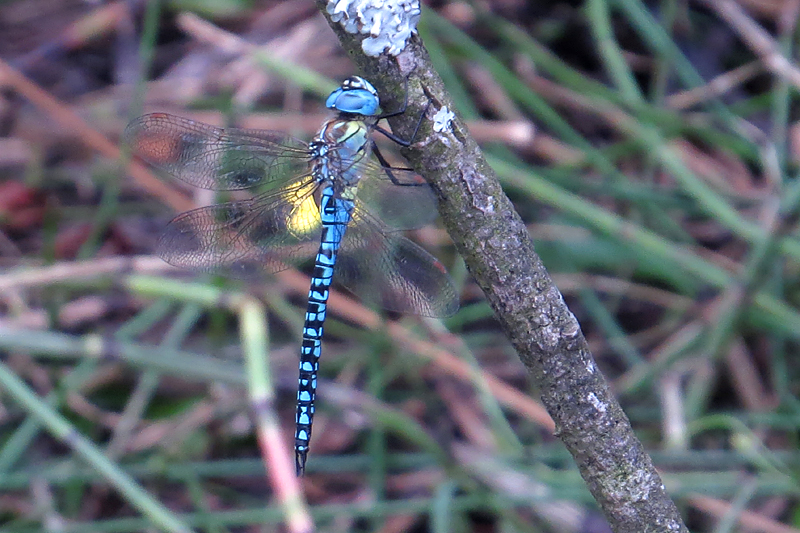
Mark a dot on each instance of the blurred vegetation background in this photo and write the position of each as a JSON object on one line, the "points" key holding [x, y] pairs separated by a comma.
{"points": [[652, 147]]}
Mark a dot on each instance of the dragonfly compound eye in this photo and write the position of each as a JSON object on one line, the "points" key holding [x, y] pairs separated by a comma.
{"points": [[356, 96]]}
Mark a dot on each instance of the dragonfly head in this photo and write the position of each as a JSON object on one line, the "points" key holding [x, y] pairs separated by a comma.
{"points": [[357, 96]]}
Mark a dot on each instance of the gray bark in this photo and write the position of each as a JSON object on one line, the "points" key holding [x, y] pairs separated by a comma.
{"points": [[500, 255]]}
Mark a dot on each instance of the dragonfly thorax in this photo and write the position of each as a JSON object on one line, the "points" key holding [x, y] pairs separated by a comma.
{"points": [[337, 151]]}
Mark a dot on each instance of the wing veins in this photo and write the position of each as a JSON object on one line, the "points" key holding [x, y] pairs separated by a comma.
{"points": [[261, 204]]}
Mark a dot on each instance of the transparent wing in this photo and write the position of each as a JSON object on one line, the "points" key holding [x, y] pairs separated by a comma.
{"points": [[399, 197], [391, 271], [270, 231], [216, 158], [243, 239]]}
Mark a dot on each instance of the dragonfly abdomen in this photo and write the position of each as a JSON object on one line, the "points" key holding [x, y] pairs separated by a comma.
{"points": [[335, 213]]}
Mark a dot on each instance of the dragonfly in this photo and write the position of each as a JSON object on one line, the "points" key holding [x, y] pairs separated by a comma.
{"points": [[336, 193]]}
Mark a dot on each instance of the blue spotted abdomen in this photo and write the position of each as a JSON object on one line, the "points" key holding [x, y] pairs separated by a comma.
{"points": [[335, 215]]}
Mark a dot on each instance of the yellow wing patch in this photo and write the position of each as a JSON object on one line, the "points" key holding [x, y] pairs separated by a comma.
{"points": [[304, 217]]}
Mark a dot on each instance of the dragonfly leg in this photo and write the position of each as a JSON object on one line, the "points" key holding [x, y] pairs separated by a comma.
{"points": [[388, 169], [405, 142], [395, 138]]}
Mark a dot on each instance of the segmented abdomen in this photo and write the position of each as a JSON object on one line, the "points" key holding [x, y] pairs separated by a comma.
{"points": [[335, 214]]}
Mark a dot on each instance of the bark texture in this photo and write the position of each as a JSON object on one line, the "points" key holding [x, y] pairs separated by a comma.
{"points": [[500, 255]]}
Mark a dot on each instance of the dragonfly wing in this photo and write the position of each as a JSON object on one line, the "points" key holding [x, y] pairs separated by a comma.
{"points": [[216, 158], [247, 238], [399, 197], [389, 270]]}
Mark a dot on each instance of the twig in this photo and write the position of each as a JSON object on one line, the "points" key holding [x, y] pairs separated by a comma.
{"points": [[748, 519], [92, 138], [756, 38], [499, 254], [716, 87]]}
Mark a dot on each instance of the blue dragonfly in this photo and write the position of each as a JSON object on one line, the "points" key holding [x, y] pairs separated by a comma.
{"points": [[331, 193]]}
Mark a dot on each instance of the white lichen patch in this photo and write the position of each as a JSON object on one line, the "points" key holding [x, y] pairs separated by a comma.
{"points": [[595, 401], [442, 119], [389, 23]]}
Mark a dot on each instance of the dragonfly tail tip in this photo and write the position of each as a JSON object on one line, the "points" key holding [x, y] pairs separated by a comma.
{"points": [[300, 463]]}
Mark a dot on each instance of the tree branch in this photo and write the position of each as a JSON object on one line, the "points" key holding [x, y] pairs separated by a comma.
{"points": [[500, 255]]}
